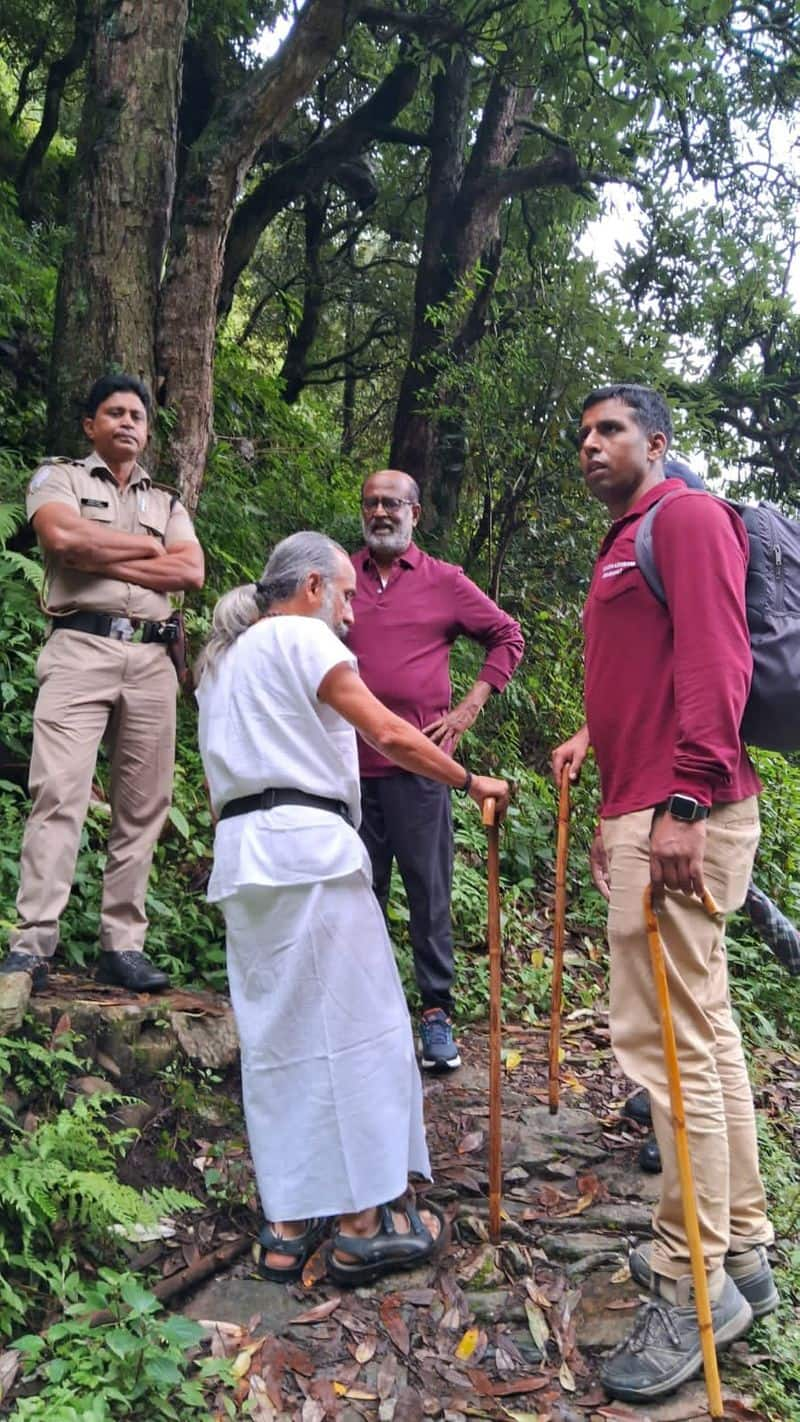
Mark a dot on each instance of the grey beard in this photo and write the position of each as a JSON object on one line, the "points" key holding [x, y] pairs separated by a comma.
{"points": [[325, 614], [395, 541]]}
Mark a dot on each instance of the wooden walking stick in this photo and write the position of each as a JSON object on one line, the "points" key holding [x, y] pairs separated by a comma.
{"points": [[688, 1197], [495, 984], [559, 916]]}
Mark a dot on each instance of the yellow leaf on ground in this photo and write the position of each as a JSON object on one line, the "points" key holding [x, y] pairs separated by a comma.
{"points": [[512, 1060], [467, 1343], [242, 1361]]}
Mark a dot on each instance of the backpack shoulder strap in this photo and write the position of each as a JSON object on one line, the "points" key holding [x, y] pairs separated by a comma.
{"points": [[643, 544]]}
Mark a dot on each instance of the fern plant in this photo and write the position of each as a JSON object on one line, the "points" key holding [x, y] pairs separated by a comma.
{"points": [[59, 1197]]}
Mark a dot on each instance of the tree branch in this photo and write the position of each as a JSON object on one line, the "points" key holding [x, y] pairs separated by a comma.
{"points": [[320, 162], [57, 76]]}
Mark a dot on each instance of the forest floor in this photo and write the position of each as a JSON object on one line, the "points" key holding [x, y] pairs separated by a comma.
{"points": [[514, 1330], [508, 1331]]}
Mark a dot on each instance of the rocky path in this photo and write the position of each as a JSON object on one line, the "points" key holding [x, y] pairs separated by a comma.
{"points": [[507, 1331]]}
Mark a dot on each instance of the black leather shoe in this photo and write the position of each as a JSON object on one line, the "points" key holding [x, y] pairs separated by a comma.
{"points": [[130, 970], [637, 1107], [650, 1157], [38, 968]]}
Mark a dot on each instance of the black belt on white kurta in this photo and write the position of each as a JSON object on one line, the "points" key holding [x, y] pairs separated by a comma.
{"points": [[268, 799]]}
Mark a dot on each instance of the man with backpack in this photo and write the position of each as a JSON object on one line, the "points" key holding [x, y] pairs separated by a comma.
{"points": [[666, 683]]}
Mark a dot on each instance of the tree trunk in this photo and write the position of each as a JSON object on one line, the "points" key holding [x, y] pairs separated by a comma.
{"points": [[57, 76], [350, 382], [293, 371], [413, 442], [462, 234], [121, 202], [217, 167]]}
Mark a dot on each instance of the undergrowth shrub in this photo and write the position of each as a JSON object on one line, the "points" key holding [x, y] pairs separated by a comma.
{"points": [[61, 1203]]}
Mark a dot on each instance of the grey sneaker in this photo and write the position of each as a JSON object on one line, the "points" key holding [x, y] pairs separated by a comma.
{"points": [[664, 1350], [750, 1271], [439, 1047]]}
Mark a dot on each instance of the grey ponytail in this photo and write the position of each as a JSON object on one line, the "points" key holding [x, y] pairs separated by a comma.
{"points": [[287, 568]]}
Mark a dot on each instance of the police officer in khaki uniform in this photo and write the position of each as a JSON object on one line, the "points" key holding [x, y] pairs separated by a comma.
{"points": [[115, 546]]}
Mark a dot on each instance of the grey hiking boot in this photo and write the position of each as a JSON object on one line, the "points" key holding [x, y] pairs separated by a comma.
{"points": [[749, 1269], [664, 1350]]}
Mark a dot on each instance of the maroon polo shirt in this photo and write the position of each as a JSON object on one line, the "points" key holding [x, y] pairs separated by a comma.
{"points": [[666, 686], [403, 634]]}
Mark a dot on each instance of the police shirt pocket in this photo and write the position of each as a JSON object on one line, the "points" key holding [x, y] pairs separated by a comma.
{"points": [[96, 509], [154, 519]]}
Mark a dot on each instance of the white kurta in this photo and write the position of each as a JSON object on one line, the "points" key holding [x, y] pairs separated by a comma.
{"points": [[332, 1093]]}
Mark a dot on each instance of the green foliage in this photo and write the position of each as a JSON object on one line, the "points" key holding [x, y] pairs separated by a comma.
{"points": [[38, 1066], [60, 1199], [142, 1364]]}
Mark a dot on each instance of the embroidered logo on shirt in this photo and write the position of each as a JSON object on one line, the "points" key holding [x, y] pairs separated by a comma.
{"points": [[613, 570], [38, 480]]}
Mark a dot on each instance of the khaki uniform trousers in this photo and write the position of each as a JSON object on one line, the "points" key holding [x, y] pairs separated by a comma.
{"points": [[718, 1101], [93, 689]]}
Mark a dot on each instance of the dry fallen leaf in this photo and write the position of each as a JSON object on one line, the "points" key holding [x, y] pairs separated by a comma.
{"points": [[395, 1324], [536, 1295], [519, 1385], [537, 1323], [512, 1060], [318, 1312], [315, 1269], [260, 1407], [10, 1363], [366, 1349], [472, 1141], [566, 1378]]}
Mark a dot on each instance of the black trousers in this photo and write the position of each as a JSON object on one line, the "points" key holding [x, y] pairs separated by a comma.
{"points": [[407, 817]]}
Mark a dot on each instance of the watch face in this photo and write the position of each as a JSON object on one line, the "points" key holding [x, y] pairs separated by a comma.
{"points": [[682, 806], [685, 807]]}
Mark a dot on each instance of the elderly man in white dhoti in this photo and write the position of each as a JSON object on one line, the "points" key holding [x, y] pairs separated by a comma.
{"points": [[331, 1088]]}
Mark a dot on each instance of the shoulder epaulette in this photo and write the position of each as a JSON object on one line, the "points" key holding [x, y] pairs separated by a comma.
{"points": [[175, 494]]}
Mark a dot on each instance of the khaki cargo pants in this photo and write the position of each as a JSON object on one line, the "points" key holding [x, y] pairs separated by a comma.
{"points": [[717, 1097], [93, 689]]}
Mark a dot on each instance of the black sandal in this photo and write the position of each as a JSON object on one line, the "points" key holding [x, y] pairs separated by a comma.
{"points": [[386, 1251], [299, 1250]]}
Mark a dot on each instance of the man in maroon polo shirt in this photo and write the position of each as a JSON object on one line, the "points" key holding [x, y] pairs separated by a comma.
{"points": [[665, 688], [409, 609]]}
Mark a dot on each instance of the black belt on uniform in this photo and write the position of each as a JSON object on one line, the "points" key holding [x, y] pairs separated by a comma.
{"points": [[121, 629], [268, 799]]}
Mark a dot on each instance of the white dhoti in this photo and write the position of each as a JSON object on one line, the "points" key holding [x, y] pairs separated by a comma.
{"points": [[332, 1092]]}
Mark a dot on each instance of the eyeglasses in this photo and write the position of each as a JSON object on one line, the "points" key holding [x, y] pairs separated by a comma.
{"points": [[388, 504]]}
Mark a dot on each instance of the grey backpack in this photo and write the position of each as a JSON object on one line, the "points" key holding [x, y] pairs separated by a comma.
{"points": [[772, 602]]}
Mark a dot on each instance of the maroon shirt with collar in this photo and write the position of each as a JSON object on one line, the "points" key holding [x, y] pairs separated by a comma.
{"points": [[666, 686], [403, 634]]}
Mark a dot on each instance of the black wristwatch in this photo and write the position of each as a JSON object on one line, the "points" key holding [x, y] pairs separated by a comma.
{"points": [[685, 807]]}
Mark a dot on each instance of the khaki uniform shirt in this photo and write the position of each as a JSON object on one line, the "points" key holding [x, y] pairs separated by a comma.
{"points": [[88, 487]]}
